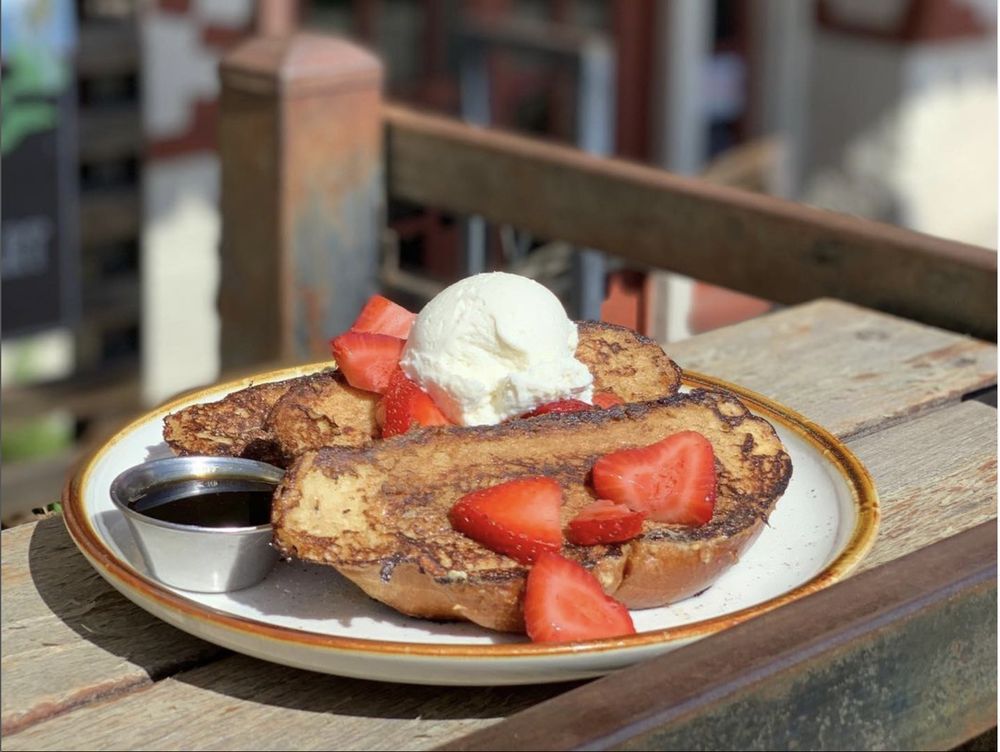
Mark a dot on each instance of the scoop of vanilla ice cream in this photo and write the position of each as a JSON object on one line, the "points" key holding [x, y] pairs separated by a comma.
{"points": [[494, 346]]}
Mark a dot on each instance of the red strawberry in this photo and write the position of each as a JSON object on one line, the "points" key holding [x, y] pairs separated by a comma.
{"points": [[405, 406], [672, 480], [559, 406], [607, 399], [519, 518], [563, 602], [604, 521], [382, 316], [367, 360]]}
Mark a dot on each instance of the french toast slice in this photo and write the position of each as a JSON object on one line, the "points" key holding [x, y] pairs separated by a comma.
{"points": [[378, 514], [625, 362], [320, 411], [231, 427], [278, 421]]}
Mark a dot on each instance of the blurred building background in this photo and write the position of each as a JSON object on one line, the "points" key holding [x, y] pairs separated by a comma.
{"points": [[110, 222]]}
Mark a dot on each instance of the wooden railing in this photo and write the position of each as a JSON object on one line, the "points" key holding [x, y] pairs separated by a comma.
{"points": [[760, 245], [306, 140]]}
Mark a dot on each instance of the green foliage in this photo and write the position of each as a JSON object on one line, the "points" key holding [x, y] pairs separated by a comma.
{"points": [[36, 438], [34, 75]]}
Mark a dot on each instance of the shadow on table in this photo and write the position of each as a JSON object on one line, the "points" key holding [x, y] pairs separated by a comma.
{"points": [[89, 606]]}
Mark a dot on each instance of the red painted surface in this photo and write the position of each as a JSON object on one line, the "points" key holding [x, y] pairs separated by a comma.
{"points": [[713, 307], [174, 6], [625, 303], [200, 135], [634, 22], [223, 37], [439, 239]]}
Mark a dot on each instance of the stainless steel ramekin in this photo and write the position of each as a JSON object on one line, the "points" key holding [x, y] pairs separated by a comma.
{"points": [[192, 557]]}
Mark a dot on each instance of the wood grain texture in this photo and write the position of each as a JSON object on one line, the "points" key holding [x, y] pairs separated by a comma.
{"points": [[849, 369], [936, 476], [75, 653], [785, 252], [68, 637], [243, 703]]}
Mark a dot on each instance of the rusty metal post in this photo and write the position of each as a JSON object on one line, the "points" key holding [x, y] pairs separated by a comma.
{"points": [[277, 18], [301, 148]]}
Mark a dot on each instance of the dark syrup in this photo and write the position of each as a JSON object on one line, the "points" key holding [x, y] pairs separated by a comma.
{"points": [[209, 503]]}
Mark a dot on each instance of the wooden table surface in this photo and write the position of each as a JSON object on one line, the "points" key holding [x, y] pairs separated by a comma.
{"points": [[83, 668]]}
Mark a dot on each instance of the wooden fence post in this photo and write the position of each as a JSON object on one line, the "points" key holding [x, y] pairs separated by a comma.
{"points": [[302, 194]]}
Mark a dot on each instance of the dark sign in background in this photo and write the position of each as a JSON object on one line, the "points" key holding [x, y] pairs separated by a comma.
{"points": [[39, 252]]}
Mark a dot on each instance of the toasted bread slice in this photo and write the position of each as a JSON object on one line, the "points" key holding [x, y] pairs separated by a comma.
{"points": [[378, 514], [623, 361], [320, 411], [276, 422], [233, 426]]}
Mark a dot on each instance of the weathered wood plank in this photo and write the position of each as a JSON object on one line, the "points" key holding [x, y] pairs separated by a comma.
{"points": [[242, 703], [69, 638], [849, 369], [899, 657], [756, 244], [936, 475]]}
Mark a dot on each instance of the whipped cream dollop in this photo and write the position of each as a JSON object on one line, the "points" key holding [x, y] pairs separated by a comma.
{"points": [[494, 346]]}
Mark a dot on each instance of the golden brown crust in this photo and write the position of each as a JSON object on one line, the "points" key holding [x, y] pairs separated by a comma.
{"points": [[231, 427], [277, 422], [623, 361], [495, 605], [664, 574], [321, 411], [381, 510]]}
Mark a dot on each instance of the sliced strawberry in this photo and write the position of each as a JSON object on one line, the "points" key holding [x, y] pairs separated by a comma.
{"points": [[519, 518], [367, 360], [604, 521], [607, 399], [672, 480], [559, 406], [563, 602], [382, 316], [405, 405]]}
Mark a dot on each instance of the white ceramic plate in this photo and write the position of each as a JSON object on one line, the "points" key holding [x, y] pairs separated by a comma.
{"points": [[308, 616]]}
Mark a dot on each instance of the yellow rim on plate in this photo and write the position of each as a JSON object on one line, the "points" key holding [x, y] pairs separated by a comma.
{"points": [[80, 527]]}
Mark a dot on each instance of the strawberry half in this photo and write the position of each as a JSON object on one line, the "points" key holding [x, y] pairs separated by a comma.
{"points": [[382, 316], [519, 518], [563, 602], [367, 360], [405, 405], [607, 399], [559, 406], [672, 480], [604, 521]]}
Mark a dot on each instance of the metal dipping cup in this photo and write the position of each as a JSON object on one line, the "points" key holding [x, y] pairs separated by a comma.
{"points": [[192, 557]]}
